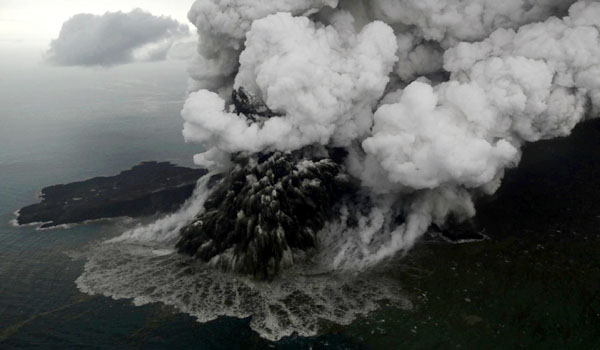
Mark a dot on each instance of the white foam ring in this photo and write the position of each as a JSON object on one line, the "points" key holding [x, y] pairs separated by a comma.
{"points": [[15, 221], [142, 265], [57, 227]]}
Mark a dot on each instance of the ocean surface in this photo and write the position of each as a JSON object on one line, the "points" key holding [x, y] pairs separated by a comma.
{"points": [[534, 285]]}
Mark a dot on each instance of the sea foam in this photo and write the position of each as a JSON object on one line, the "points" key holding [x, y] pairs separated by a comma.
{"points": [[141, 265]]}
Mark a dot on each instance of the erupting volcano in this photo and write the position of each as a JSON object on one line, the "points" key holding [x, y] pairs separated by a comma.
{"points": [[419, 108]]}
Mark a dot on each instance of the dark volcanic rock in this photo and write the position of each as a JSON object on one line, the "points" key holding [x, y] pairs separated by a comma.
{"points": [[253, 108], [269, 207], [146, 189], [265, 209]]}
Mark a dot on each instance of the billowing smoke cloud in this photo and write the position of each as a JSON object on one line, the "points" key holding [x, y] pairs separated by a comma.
{"points": [[116, 38], [451, 21], [432, 100], [426, 28], [222, 27], [324, 84]]}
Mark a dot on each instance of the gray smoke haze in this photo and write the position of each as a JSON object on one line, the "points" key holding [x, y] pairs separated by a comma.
{"points": [[432, 99], [115, 38]]}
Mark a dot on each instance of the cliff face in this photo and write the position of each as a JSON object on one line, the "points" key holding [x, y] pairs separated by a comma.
{"points": [[146, 189]]}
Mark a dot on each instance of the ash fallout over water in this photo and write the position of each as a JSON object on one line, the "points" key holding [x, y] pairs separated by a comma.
{"points": [[342, 130]]}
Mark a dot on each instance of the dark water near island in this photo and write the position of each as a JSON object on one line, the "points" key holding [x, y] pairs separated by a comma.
{"points": [[534, 285]]}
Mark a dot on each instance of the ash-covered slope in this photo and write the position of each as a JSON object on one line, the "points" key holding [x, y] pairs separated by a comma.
{"points": [[145, 189]]}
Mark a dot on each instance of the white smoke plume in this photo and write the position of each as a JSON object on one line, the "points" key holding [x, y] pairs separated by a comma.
{"points": [[222, 27], [324, 83], [116, 38], [432, 99], [167, 228]]}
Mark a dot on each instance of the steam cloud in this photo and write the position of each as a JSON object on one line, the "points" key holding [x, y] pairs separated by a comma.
{"points": [[432, 100], [116, 38]]}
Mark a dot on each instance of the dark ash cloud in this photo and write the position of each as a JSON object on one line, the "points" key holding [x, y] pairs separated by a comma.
{"points": [[114, 38]]}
